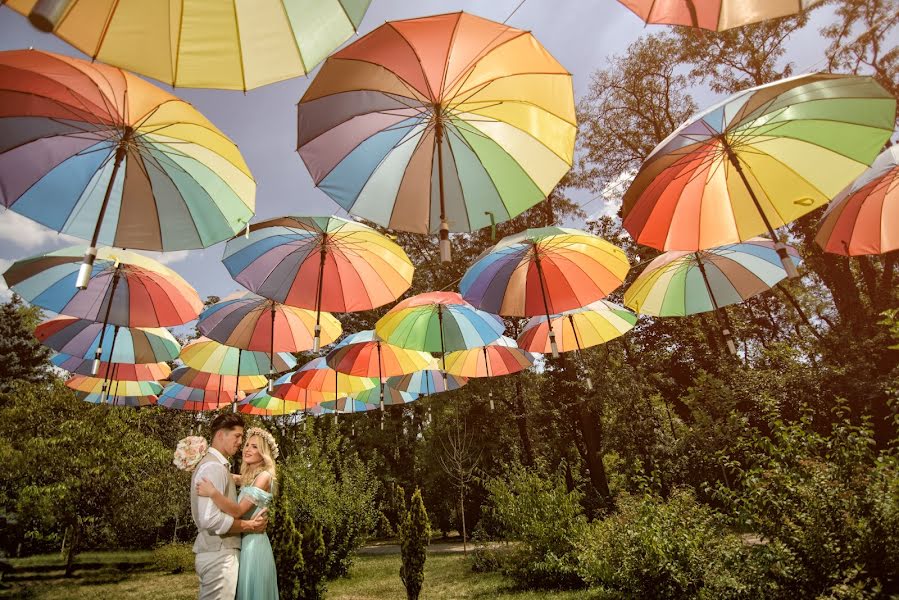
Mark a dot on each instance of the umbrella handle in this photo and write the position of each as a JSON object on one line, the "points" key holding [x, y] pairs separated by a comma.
{"points": [[45, 15]]}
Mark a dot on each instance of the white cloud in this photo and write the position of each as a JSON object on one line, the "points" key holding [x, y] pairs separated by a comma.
{"points": [[168, 258], [29, 235], [5, 293], [613, 194]]}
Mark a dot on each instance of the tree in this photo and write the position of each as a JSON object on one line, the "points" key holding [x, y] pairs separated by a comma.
{"points": [[287, 545], [459, 461], [415, 535], [22, 357]]}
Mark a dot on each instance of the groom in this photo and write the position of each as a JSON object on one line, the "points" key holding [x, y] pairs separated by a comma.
{"points": [[217, 547]]}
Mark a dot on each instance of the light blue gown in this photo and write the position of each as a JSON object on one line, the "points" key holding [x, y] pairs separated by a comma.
{"points": [[257, 579]]}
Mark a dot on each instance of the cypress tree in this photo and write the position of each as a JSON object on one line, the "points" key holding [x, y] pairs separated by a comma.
{"points": [[414, 534]]}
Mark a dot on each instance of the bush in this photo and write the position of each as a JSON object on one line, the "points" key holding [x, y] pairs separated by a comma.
{"points": [[656, 548], [414, 534], [536, 509], [174, 558]]}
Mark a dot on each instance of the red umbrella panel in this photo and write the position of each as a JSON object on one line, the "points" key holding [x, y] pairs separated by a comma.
{"points": [[213, 381], [113, 371]]}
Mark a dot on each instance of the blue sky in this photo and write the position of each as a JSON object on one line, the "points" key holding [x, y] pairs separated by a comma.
{"points": [[581, 34]]}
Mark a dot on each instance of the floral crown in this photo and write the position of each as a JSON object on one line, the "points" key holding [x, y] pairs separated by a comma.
{"points": [[272, 444]]}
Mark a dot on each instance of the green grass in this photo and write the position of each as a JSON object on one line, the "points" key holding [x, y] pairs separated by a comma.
{"points": [[48, 560]]}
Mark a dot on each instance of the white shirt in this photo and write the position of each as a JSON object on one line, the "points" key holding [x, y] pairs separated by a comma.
{"points": [[211, 517]]}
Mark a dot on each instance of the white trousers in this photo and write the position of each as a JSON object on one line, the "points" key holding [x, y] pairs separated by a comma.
{"points": [[218, 574]]}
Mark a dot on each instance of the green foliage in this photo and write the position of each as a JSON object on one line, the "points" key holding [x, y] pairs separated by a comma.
{"points": [[662, 548], [174, 558], [22, 357], [534, 507], [415, 535], [315, 562], [286, 545], [828, 505]]}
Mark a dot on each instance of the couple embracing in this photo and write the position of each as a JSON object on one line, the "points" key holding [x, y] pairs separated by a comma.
{"points": [[233, 555]]}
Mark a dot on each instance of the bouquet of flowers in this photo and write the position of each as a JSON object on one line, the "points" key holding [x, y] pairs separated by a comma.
{"points": [[189, 452]]}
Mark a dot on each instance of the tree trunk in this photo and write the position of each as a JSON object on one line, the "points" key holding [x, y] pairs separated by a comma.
{"points": [[527, 452], [591, 431], [462, 514], [73, 547]]}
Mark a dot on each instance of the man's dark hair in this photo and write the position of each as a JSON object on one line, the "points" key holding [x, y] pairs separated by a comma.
{"points": [[225, 421]]}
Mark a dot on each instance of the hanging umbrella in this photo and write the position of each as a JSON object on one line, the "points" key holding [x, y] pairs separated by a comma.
{"points": [[180, 397], [213, 381], [261, 399], [111, 158], [714, 15], [355, 267], [685, 283], [96, 385], [347, 405], [757, 161], [207, 355], [578, 329], [113, 371], [501, 357], [135, 401], [391, 397], [81, 338], [232, 46], [544, 271], [864, 218], [427, 382], [438, 124], [317, 376]]}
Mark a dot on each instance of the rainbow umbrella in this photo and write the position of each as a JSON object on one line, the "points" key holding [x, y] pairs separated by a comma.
{"points": [[317, 376], [214, 381], [233, 46], [113, 371], [427, 382], [594, 324], [864, 218], [364, 354], [276, 406], [97, 385], [392, 397], [288, 391], [207, 355], [686, 283], [714, 15], [179, 397], [544, 271], [757, 161], [136, 401], [347, 405], [81, 338], [442, 123], [98, 153], [501, 357], [355, 267]]}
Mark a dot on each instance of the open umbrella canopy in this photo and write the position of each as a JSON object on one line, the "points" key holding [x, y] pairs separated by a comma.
{"points": [[544, 271], [427, 382], [81, 338], [125, 288], [213, 381], [501, 357], [225, 45], [353, 266], [438, 322], [364, 354], [757, 161], [685, 283], [98, 153], [113, 371], [440, 123], [347, 405], [181, 397], [392, 396], [250, 322], [864, 218], [135, 401], [317, 376], [210, 356], [596, 323], [715, 15], [271, 406], [98, 385]]}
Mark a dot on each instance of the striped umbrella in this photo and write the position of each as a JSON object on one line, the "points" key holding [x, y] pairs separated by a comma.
{"points": [[441, 123], [544, 271], [347, 405], [714, 15], [179, 397], [392, 397], [685, 283], [355, 267], [317, 376], [502, 357], [864, 218], [213, 381], [81, 338], [113, 371], [757, 161], [427, 382], [210, 356], [96, 152], [97, 385], [135, 401], [261, 399], [594, 324]]}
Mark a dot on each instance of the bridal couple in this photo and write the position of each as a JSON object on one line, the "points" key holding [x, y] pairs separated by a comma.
{"points": [[233, 555]]}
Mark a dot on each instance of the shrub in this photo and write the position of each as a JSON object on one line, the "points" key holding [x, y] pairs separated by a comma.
{"points": [[415, 534], [657, 548], [174, 558], [536, 509], [286, 545], [315, 563]]}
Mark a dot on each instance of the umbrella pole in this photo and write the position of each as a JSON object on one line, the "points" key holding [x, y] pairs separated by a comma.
{"points": [[316, 341], [442, 347], [445, 254], [380, 383], [95, 366], [694, 18], [107, 377], [549, 321], [577, 342], [487, 369], [237, 381], [87, 265], [725, 330], [271, 354], [780, 247]]}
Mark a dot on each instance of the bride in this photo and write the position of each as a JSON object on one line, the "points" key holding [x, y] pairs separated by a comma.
{"points": [[257, 578]]}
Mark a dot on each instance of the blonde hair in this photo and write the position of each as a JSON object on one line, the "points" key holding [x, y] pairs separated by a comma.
{"points": [[248, 473]]}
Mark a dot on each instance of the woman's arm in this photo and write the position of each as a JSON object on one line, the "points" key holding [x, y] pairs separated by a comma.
{"points": [[225, 504]]}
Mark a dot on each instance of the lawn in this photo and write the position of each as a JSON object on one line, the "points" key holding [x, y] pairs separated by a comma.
{"points": [[447, 576]]}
